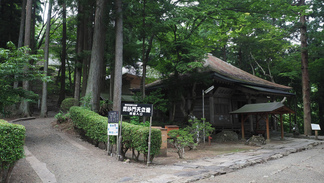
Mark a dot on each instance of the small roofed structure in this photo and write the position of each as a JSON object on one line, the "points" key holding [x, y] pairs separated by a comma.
{"points": [[263, 110]]}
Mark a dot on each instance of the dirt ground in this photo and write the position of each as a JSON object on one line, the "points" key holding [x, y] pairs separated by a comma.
{"points": [[202, 150]]}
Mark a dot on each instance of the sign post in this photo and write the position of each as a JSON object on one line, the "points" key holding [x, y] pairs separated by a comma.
{"points": [[112, 127], [316, 127], [140, 110]]}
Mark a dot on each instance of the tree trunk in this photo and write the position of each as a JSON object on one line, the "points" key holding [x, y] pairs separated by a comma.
{"points": [[32, 29], [22, 23], [79, 49], [63, 58], [111, 83], [97, 56], [305, 76], [118, 57], [87, 46], [43, 112], [21, 33], [24, 107], [321, 108], [143, 54]]}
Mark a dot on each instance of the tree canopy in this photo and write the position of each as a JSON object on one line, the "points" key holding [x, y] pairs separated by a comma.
{"points": [[173, 37]]}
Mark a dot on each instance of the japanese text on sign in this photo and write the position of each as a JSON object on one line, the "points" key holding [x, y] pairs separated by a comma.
{"points": [[112, 129], [113, 117], [137, 109]]}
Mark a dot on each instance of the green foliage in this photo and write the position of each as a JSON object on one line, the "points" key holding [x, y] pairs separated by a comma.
{"points": [[67, 104], [155, 97], [190, 136], [198, 128], [181, 139], [86, 101], [134, 136], [135, 120], [94, 125], [61, 117], [15, 67], [12, 139]]}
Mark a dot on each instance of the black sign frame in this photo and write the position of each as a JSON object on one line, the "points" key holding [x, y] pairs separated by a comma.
{"points": [[113, 117]]}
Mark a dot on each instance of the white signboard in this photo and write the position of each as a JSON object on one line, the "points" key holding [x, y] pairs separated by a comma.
{"points": [[316, 127], [112, 129]]}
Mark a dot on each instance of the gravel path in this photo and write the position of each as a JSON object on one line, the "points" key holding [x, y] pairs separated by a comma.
{"points": [[52, 156]]}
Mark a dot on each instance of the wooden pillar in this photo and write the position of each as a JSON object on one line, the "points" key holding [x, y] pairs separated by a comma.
{"points": [[242, 125], [282, 128], [211, 110], [268, 133]]}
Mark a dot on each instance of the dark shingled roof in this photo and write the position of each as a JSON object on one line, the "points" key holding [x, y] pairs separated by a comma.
{"points": [[272, 108], [237, 75], [225, 72]]}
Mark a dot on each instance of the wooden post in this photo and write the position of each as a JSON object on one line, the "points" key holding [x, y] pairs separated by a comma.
{"points": [[268, 132], [149, 143], [242, 125], [282, 128], [119, 140]]}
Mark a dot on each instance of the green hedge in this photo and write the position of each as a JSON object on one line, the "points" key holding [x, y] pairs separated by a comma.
{"points": [[134, 137], [67, 104], [12, 140]]}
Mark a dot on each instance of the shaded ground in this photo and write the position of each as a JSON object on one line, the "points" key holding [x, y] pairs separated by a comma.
{"points": [[202, 151], [55, 153]]}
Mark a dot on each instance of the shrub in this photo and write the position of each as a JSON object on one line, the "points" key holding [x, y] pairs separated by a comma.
{"points": [[190, 136], [85, 101], [135, 120], [198, 127], [94, 125], [61, 117], [135, 137], [67, 104], [181, 139], [12, 139]]}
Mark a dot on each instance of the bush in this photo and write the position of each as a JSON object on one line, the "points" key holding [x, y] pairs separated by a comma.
{"points": [[181, 139], [61, 117], [12, 139], [67, 104], [198, 127], [94, 125], [135, 137]]}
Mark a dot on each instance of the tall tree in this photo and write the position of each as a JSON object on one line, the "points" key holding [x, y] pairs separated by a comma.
{"points": [[87, 17], [22, 23], [79, 49], [315, 41], [43, 112], [97, 56], [24, 107], [118, 57], [21, 31], [305, 75], [63, 55]]}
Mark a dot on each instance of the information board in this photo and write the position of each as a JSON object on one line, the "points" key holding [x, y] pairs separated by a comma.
{"points": [[137, 109], [112, 129], [113, 117], [316, 127]]}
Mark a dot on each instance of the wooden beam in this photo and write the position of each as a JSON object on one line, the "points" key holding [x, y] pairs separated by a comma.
{"points": [[268, 132], [282, 128], [242, 126]]}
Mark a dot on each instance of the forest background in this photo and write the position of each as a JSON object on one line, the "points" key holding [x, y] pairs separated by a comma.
{"points": [[278, 40]]}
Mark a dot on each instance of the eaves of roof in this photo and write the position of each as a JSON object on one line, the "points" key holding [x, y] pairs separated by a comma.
{"points": [[271, 108], [231, 73]]}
